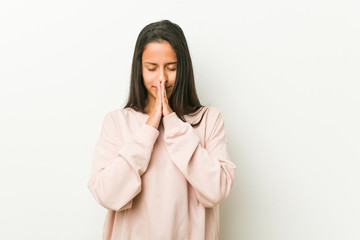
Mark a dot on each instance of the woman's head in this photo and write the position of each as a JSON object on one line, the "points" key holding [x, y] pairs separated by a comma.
{"points": [[183, 98]]}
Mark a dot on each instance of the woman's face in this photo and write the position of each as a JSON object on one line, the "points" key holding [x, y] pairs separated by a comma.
{"points": [[159, 63]]}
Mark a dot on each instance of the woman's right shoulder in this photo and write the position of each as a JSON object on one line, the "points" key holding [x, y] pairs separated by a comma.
{"points": [[127, 113], [122, 123], [119, 112]]}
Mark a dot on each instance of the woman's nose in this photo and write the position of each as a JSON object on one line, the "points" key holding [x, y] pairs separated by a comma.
{"points": [[162, 76]]}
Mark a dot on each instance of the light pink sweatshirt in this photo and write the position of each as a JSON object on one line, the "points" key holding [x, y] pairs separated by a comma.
{"points": [[163, 184]]}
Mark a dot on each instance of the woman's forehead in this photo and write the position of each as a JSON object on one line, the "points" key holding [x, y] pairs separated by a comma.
{"points": [[155, 52]]}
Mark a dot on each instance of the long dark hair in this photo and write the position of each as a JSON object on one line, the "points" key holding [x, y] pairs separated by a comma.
{"points": [[183, 99]]}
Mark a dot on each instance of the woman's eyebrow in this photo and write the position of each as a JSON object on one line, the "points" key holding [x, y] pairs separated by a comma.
{"points": [[157, 64]]}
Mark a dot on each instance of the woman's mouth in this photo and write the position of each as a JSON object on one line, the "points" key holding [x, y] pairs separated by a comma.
{"points": [[166, 87]]}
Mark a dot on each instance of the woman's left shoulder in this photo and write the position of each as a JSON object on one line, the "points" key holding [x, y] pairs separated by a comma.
{"points": [[207, 115], [213, 112]]}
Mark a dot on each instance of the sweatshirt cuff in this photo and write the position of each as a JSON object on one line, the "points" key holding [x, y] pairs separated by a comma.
{"points": [[149, 134], [172, 121], [142, 141]]}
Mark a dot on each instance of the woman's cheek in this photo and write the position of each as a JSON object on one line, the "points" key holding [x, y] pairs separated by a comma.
{"points": [[174, 76]]}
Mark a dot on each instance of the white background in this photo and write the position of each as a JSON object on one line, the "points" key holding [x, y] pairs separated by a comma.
{"points": [[285, 74]]}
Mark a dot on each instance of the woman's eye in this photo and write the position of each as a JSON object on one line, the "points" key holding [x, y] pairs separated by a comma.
{"points": [[172, 69], [151, 69]]}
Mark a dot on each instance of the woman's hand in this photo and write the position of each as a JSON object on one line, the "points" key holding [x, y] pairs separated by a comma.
{"points": [[155, 114], [161, 108], [166, 109]]}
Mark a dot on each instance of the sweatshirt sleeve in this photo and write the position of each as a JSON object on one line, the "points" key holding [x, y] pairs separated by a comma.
{"points": [[116, 170], [208, 169]]}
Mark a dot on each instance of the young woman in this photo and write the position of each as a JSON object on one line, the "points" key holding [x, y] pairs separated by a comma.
{"points": [[161, 165]]}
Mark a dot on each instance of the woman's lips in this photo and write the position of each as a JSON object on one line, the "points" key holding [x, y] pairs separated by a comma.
{"points": [[156, 87]]}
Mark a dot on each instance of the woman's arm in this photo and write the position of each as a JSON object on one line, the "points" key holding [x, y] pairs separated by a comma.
{"points": [[116, 170], [209, 170]]}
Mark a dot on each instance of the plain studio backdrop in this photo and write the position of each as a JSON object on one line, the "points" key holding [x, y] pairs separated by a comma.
{"points": [[284, 74]]}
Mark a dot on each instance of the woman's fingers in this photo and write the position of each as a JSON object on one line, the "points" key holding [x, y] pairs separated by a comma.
{"points": [[155, 114], [163, 92], [158, 99], [165, 103], [164, 98]]}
